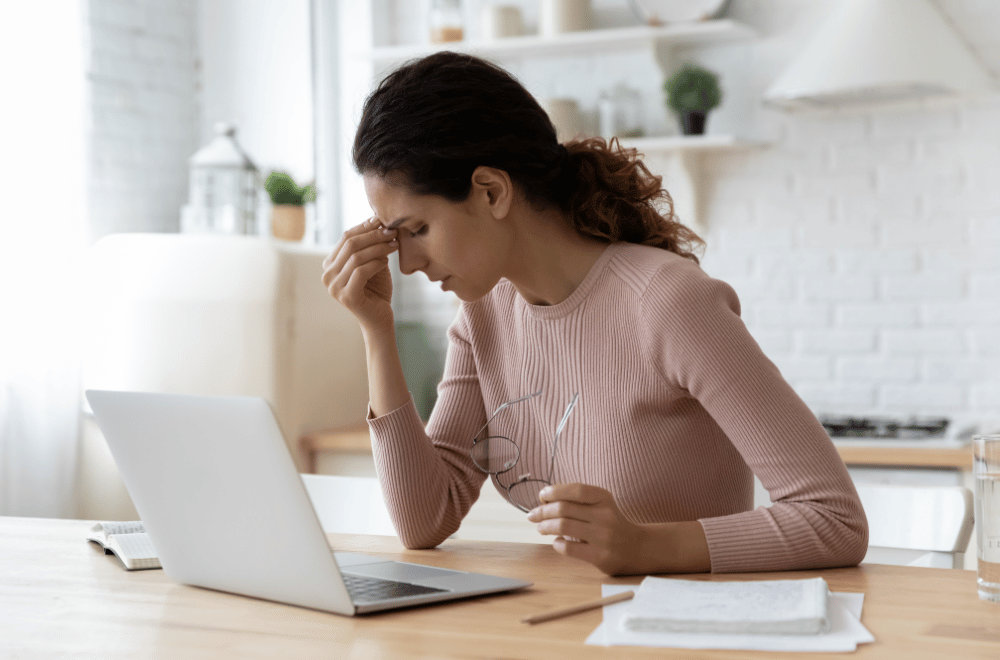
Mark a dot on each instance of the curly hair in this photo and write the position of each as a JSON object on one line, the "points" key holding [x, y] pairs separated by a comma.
{"points": [[434, 120]]}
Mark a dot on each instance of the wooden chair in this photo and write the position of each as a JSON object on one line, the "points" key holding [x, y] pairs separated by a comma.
{"points": [[349, 505], [917, 526]]}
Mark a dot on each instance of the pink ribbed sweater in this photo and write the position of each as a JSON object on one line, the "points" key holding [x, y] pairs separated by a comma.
{"points": [[678, 409]]}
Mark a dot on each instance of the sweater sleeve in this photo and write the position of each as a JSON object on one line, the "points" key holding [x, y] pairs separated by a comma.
{"points": [[428, 478], [702, 348]]}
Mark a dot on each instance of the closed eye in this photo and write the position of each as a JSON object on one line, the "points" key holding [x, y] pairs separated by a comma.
{"points": [[420, 232]]}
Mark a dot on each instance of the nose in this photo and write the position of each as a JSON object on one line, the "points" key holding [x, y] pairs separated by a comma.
{"points": [[411, 258]]}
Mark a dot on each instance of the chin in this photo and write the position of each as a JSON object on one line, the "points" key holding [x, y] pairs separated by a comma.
{"points": [[470, 296]]}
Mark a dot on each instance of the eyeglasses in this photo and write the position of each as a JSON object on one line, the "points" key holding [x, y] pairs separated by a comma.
{"points": [[497, 454]]}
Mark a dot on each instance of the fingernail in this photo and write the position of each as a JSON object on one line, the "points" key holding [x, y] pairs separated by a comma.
{"points": [[545, 492], [388, 232], [394, 243], [532, 514]]}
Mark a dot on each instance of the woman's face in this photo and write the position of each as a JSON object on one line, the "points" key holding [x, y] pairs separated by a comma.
{"points": [[454, 243]]}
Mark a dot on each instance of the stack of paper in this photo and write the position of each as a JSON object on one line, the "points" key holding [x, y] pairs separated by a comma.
{"points": [[774, 615], [773, 607]]}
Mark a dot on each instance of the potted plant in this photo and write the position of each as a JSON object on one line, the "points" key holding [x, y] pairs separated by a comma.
{"points": [[288, 215], [692, 91]]}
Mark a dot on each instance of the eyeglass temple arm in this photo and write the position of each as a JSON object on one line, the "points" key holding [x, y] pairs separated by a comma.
{"points": [[555, 441], [497, 412]]}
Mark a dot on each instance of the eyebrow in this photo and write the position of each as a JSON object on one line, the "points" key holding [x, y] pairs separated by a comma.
{"points": [[396, 223]]}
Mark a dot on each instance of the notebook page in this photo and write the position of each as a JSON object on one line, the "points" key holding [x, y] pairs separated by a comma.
{"points": [[768, 607], [111, 528], [136, 546]]}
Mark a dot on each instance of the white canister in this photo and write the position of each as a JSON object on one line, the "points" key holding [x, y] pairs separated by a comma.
{"points": [[565, 116], [502, 21], [559, 16]]}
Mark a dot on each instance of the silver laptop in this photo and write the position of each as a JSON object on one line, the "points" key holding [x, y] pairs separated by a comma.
{"points": [[225, 508]]}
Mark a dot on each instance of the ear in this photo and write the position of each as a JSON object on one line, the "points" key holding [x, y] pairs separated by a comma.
{"points": [[494, 189]]}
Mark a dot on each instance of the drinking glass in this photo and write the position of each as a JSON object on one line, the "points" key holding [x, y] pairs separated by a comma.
{"points": [[986, 470]]}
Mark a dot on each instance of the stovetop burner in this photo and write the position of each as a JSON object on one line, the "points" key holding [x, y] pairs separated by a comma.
{"points": [[884, 427]]}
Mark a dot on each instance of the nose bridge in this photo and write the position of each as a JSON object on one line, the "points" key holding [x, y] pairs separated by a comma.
{"points": [[411, 258]]}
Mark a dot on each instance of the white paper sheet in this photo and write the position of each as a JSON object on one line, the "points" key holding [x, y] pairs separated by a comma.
{"points": [[845, 618]]}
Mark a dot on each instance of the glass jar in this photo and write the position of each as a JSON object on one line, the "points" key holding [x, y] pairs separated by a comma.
{"points": [[620, 113], [445, 20]]}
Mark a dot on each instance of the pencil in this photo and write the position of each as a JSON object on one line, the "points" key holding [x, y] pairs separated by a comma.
{"points": [[582, 607]]}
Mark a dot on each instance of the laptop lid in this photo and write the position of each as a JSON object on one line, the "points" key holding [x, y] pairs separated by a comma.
{"points": [[219, 495]]}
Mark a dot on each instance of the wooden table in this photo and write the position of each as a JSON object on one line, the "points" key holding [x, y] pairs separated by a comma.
{"points": [[60, 596]]}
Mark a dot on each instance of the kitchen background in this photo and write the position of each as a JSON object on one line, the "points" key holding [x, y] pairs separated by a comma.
{"points": [[864, 243]]}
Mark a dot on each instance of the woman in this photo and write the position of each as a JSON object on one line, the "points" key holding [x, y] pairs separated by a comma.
{"points": [[574, 288]]}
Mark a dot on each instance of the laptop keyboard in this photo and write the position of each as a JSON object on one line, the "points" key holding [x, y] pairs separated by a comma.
{"points": [[369, 589]]}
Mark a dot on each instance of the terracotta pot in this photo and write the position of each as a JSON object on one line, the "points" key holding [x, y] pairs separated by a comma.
{"points": [[288, 221]]}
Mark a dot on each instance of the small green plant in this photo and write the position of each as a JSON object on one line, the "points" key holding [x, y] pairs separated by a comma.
{"points": [[282, 190], [692, 88]]}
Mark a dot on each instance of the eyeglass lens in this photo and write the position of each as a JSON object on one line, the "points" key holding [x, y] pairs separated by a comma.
{"points": [[495, 454], [524, 494]]}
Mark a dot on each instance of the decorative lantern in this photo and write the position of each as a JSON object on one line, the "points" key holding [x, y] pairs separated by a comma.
{"points": [[223, 187]]}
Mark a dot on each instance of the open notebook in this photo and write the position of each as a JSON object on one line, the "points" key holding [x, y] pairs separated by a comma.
{"points": [[128, 541]]}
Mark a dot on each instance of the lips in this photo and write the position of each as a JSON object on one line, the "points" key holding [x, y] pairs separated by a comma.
{"points": [[443, 281]]}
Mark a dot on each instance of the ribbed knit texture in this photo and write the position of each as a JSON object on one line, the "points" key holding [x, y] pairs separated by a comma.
{"points": [[678, 409]]}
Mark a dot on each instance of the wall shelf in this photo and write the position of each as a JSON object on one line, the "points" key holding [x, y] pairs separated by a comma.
{"points": [[575, 44], [690, 143]]}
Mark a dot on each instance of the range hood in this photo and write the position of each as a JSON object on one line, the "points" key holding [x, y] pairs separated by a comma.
{"points": [[871, 51]]}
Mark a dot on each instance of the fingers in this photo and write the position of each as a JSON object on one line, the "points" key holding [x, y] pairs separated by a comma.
{"points": [[364, 244], [591, 554], [354, 260], [580, 530], [562, 509], [574, 492], [367, 234]]}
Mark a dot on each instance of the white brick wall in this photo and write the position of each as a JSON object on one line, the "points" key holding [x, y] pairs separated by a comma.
{"points": [[909, 315], [864, 244], [143, 120]]}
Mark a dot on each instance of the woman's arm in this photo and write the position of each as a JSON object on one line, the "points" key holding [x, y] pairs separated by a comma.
{"points": [[703, 348], [700, 347], [588, 525], [427, 475], [429, 485], [357, 274]]}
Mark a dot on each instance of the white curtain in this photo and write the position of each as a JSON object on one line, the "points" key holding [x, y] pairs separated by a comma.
{"points": [[42, 236]]}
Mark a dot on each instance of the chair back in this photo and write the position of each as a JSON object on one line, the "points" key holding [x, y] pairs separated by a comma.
{"points": [[348, 505], [917, 525]]}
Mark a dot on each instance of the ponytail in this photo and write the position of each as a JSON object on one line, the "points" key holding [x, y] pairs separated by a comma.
{"points": [[617, 198]]}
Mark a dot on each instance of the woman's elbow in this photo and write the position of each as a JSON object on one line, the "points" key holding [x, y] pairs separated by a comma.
{"points": [[414, 538], [420, 541], [852, 544]]}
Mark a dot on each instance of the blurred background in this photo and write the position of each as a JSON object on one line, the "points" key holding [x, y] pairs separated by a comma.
{"points": [[858, 220]]}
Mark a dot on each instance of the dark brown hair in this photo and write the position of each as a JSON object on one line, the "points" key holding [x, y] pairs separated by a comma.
{"points": [[435, 120]]}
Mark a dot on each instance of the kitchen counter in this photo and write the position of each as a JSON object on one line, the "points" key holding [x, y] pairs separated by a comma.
{"points": [[862, 453], [927, 454]]}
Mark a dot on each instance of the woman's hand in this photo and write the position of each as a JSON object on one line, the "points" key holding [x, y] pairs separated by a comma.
{"points": [[357, 274], [588, 525]]}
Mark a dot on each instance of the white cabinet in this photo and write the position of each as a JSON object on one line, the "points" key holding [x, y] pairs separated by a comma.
{"points": [[224, 315]]}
